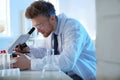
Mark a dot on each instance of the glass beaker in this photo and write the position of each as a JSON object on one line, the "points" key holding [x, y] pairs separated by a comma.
{"points": [[51, 68], [10, 74]]}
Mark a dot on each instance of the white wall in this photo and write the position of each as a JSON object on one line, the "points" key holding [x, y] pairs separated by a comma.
{"points": [[108, 39]]}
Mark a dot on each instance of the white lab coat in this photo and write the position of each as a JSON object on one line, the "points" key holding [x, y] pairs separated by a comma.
{"points": [[77, 50]]}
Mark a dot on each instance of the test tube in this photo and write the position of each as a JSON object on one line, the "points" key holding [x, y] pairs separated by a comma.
{"points": [[4, 60]]}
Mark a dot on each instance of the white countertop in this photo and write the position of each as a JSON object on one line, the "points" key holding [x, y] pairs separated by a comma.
{"points": [[15, 74]]}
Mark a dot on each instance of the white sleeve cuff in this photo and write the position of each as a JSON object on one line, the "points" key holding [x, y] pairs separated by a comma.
{"points": [[37, 64]]}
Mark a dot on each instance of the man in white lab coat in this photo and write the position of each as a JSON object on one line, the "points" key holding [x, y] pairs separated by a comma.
{"points": [[75, 50]]}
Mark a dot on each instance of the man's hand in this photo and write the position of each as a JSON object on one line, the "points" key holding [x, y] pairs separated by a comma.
{"points": [[22, 62], [22, 48]]}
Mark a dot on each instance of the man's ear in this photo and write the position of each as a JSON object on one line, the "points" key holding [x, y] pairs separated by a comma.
{"points": [[52, 18]]}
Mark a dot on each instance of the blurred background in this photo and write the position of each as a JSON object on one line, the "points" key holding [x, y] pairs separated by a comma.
{"points": [[101, 19]]}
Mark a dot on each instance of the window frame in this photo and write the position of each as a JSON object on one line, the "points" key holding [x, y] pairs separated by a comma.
{"points": [[6, 19]]}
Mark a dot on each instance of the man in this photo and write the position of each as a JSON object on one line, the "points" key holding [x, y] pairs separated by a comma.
{"points": [[75, 49]]}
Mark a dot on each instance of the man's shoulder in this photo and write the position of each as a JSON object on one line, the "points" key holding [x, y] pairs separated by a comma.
{"points": [[73, 23]]}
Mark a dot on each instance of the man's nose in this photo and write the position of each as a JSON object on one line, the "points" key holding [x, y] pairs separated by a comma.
{"points": [[39, 30]]}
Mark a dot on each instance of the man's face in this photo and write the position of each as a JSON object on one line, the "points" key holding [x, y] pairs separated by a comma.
{"points": [[43, 25]]}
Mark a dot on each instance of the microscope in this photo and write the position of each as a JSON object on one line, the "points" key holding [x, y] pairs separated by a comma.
{"points": [[21, 41]]}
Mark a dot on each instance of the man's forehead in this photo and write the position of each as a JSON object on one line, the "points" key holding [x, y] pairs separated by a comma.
{"points": [[37, 20]]}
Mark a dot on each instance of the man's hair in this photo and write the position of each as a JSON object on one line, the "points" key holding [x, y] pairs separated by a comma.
{"points": [[40, 8]]}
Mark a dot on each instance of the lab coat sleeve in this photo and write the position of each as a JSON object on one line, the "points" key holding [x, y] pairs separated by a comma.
{"points": [[37, 63], [38, 59], [38, 51], [41, 50]]}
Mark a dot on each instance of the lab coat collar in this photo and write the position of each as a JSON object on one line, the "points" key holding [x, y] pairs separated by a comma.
{"points": [[61, 22]]}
